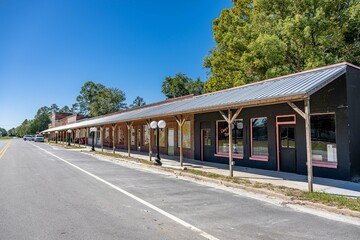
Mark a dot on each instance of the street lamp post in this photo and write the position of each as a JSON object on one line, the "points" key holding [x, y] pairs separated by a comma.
{"points": [[56, 136], [157, 125], [69, 132], [92, 131]]}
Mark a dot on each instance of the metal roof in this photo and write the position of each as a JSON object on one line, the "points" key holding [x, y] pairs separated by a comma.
{"points": [[287, 88]]}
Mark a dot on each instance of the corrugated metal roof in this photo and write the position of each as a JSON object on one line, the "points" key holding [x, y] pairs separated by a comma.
{"points": [[290, 87]]}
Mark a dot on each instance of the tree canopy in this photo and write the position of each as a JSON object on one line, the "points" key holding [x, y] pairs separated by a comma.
{"points": [[3, 132], [181, 85], [88, 92], [138, 101], [107, 101], [65, 109], [39, 123], [260, 39]]}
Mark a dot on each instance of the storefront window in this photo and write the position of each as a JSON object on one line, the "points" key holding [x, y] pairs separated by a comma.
{"points": [[259, 137], [107, 135], [146, 134], [97, 140], [323, 138], [237, 137], [132, 136]]}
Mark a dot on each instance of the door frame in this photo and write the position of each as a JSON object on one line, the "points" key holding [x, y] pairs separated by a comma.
{"points": [[202, 143], [170, 153], [277, 134]]}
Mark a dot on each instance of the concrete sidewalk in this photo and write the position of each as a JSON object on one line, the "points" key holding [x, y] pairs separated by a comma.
{"points": [[291, 180]]}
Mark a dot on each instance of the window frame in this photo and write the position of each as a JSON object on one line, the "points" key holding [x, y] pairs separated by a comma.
{"points": [[257, 157], [324, 164], [235, 155]]}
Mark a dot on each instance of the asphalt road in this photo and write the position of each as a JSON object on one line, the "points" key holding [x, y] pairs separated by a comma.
{"points": [[48, 192]]}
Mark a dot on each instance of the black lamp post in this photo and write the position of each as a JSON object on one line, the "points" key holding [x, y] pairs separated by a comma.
{"points": [[56, 136], [92, 131], [157, 126], [69, 132]]}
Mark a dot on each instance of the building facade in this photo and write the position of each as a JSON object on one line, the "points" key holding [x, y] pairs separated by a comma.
{"points": [[266, 122]]}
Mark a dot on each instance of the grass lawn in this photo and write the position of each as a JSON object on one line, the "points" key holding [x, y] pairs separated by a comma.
{"points": [[295, 194], [6, 138]]}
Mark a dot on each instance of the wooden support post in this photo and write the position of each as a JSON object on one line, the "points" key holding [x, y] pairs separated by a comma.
{"points": [[231, 162], [308, 144], [306, 116], [113, 137], [79, 131], [129, 126], [150, 147], [180, 121], [102, 138], [230, 119], [86, 137]]}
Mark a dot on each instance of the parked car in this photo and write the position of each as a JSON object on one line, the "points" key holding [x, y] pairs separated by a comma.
{"points": [[27, 138], [39, 138]]}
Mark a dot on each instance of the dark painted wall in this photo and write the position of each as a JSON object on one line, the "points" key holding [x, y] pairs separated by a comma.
{"points": [[331, 98], [353, 90]]}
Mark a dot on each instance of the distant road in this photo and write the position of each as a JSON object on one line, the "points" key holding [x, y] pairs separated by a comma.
{"points": [[48, 192]]}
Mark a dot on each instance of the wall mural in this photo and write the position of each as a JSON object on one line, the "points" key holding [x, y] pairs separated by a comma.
{"points": [[146, 134], [186, 135], [162, 137]]}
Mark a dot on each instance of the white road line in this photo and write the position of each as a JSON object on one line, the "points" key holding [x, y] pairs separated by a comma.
{"points": [[166, 214]]}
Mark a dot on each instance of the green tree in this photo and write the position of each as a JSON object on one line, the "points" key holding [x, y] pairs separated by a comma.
{"points": [[196, 87], [75, 108], [23, 129], [87, 96], [107, 101], [260, 39], [181, 85], [139, 101], [3, 132], [12, 132], [40, 123], [43, 110], [54, 108], [65, 109]]}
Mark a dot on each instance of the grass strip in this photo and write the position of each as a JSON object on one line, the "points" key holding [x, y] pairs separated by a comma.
{"points": [[295, 194], [116, 155], [332, 200], [6, 138], [66, 146]]}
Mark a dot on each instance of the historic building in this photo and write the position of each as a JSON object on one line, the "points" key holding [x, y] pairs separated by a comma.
{"points": [[273, 124]]}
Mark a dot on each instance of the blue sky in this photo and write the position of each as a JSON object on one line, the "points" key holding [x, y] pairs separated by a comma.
{"points": [[49, 49]]}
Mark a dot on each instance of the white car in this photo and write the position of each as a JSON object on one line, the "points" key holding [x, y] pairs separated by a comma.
{"points": [[38, 138], [27, 138]]}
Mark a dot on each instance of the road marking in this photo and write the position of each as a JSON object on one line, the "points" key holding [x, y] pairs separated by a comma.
{"points": [[2, 152], [159, 210]]}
